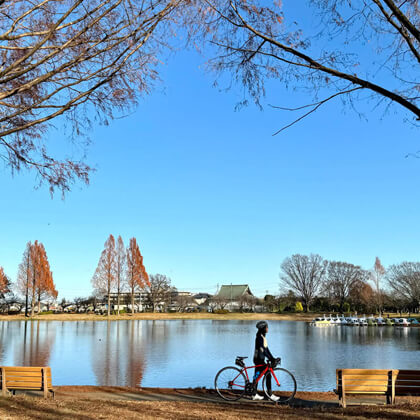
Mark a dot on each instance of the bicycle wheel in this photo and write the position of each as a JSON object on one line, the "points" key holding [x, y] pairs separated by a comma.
{"points": [[230, 383], [284, 387]]}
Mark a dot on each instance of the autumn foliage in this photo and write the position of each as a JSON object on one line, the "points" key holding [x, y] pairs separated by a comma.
{"points": [[4, 282], [119, 269], [137, 277], [35, 279]]}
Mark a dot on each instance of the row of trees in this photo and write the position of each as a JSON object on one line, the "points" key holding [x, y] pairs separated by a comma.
{"points": [[158, 295], [34, 281], [120, 269], [315, 280], [35, 278]]}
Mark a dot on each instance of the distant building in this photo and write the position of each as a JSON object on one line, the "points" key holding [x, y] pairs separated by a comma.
{"points": [[141, 301], [233, 297], [201, 298]]}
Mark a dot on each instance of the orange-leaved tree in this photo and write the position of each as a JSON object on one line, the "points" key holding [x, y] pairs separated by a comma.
{"points": [[45, 287], [137, 277], [4, 282], [34, 276], [104, 278], [120, 269]]}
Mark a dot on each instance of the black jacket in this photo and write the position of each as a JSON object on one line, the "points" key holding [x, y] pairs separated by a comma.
{"points": [[261, 349]]}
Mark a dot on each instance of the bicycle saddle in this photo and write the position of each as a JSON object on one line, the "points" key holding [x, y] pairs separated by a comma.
{"points": [[242, 357]]}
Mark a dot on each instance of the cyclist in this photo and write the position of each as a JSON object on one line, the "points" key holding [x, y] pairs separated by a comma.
{"points": [[261, 353]]}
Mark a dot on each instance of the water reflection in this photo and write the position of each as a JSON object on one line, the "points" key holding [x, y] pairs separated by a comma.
{"points": [[35, 345], [188, 353], [117, 353]]}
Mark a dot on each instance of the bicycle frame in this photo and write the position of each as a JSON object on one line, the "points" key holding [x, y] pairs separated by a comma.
{"points": [[245, 369]]}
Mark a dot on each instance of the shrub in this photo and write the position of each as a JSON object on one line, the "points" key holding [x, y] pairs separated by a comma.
{"points": [[221, 311], [298, 307], [346, 307]]}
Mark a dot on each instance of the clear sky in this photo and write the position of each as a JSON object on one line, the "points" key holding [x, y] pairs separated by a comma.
{"points": [[213, 198]]}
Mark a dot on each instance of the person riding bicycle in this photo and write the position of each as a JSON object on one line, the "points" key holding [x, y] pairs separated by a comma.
{"points": [[261, 353]]}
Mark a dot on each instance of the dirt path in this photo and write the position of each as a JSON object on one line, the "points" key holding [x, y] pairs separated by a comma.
{"points": [[120, 403], [200, 395]]}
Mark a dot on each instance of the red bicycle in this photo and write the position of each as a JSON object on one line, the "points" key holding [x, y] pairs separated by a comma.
{"points": [[232, 383]]}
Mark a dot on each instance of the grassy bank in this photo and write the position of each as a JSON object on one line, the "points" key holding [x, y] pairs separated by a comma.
{"points": [[164, 316], [178, 315]]}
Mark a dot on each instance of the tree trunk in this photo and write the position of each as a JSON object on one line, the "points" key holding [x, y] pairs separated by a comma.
{"points": [[132, 300], [26, 297], [118, 297], [33, 297], [109, 300]]}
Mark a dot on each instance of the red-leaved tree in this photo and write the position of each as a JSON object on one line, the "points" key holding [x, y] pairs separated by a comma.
{"points": [[35, 279], [4, 282], [137, 277]]}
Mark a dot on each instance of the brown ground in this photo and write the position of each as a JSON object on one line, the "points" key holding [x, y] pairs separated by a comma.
{"points": [[86, 403]]}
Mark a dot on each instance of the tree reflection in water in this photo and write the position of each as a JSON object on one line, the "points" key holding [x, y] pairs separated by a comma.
{"points": [[37, 343], [118, 354]]}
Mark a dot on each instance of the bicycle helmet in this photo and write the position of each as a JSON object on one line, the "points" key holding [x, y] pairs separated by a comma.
{"points": [[261, 325]]}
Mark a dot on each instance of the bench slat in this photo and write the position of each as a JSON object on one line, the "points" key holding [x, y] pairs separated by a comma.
{"points": [[403, 391], [367, 380], [24, 385], [364, 371], [367, 376], [362, 388], [23, 380], [367, 392], [405, 383]]}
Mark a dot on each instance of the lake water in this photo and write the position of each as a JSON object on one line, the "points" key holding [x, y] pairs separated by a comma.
{"points": [[188, 353]]}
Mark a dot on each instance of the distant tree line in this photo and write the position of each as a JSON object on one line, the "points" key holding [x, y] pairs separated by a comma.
{"points": [[323, 285], [120, 271]]}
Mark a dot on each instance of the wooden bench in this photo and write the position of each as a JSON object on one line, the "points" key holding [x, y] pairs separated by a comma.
{"points": [[16, 378], [366, 381], [407, 382]]}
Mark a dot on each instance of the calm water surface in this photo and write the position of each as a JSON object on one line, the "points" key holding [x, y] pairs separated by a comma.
{"points": [[188, 353]]}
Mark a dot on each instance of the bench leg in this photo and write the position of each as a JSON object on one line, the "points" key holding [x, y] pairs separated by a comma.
{"points": [[3, 382], [45, 383]]}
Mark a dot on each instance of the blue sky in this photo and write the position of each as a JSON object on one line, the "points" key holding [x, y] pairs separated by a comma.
{"points": [[213, 198]]}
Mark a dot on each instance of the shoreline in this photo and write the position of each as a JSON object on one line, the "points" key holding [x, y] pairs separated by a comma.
{"points": [[157, 316], [107, 402], [154, 316]]}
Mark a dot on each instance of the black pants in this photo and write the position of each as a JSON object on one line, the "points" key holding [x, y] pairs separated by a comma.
{"points": [[258, 371]]}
